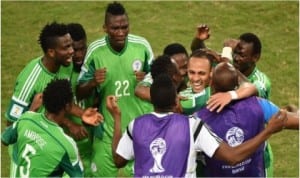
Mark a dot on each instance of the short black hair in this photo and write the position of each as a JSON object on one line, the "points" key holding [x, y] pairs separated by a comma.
{"points": [[114, 8], [76, 31], [57, 95], [50, 33], [252, 38], [174, 48], [202, 53], [162, 64], [163, 92]]}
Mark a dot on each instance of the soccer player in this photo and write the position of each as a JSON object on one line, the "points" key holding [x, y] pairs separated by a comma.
{"points": [[179, 56], [41, 148], [79, 44], [198, 94], [238, 122], [56, 62], [113, 65], [246, 53], [164, 143]]}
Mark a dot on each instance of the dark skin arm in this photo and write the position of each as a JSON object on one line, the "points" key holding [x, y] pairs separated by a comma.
{"points": [[234, 155], [84, 90], [142, 92], [111, 104], [201, 35]]}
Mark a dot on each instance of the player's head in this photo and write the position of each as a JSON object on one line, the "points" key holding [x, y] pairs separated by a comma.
{"points": [[116, 25], [57, 96], [224, 78], [199, 69], [177, 52], [247, 53], [163, 93], [164, 64], [78, 35], [56, 43]]}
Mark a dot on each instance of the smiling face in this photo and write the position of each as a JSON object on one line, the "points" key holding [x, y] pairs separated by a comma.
{"points": [[243, 58], [199, 73], [63, 51], [117, 29]]}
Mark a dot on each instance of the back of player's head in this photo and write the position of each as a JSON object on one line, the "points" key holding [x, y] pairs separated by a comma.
{"points": [[224, 78], [50, 33], [114, 8], [203, 54], [76, 31], [163, 64], [174, 48], [57, 95], [163, 92], [252, 38]]}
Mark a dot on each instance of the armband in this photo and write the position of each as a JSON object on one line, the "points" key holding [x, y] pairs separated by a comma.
{"points": [[233, 95]]}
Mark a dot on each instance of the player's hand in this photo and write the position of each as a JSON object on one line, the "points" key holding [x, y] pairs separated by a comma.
{"points": [[217, 57], [203, 32], [231, 43], [77, 131], [92, 117], [112, 106], [277, 122], [218, 101], [140, 75], [36, 102], [99, 75]]}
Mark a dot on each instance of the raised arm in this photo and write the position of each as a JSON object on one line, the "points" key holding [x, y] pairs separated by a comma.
{"points": [[112, 106]]}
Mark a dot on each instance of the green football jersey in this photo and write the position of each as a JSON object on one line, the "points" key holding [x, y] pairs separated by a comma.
{"points": [[32, 80], [194, 101], [120, 77], [41, 148], [262, 83]]}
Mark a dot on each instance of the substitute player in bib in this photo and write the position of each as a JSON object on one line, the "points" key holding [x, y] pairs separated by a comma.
{"points": [[41, 148], [164, 144], [113, 65], [238, 122]]}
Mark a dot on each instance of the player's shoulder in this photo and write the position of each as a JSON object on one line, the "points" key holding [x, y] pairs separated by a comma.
{"points": [[97, 43], [137, 39]]}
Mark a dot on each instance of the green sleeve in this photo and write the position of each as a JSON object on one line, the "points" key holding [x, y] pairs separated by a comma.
{"points": [[10, 135]]}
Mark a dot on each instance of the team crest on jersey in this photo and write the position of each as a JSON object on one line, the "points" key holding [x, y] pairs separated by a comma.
{"points": [[137, 65], [234, 136], [158, 148]]}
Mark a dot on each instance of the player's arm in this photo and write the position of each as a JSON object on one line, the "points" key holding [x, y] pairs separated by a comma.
{"points": [[219, 100], [9, 135], [142, 89], [201, 35], [36, 102], [269, 109], [111, 104], [234, 155], [88, 80]]}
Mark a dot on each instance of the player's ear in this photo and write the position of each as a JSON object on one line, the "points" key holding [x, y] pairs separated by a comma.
{"points": [[51, 52]]}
